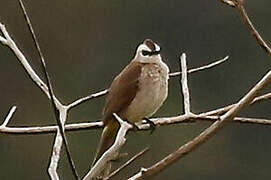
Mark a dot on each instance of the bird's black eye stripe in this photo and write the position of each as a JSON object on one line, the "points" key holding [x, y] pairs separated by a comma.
{"points": [[145, 53], [148, 53]]}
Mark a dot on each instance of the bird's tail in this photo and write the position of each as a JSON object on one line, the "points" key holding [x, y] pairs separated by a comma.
{"points": [[107, 139]]}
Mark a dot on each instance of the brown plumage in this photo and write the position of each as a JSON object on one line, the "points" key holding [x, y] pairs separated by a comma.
{"points": [[137, 92], [120, 95]]}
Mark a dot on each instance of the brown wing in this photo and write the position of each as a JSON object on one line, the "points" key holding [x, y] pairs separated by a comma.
{"points": [[122, 90]]}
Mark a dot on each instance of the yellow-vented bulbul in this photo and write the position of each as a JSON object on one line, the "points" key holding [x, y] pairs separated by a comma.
{"points": [[137, 92]]}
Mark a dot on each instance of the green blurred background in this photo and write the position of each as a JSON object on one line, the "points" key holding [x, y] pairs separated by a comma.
{"points": [[86, 43]]}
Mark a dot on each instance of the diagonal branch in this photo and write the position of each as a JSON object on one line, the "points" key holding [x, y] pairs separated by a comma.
{"points": [[205, 135], [87, 98], [238, 4], [252, 29], [201, 68], [33, 75], [57, 113], [127, 163], [8, 117], [112, 152], [228, 2]]}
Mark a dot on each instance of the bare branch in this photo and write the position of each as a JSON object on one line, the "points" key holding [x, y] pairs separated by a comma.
{"points": [[60, 117], [127, 163], [51, 129], [8, 117], [206, 134], [12, 45], [185, 90], [226, 108], [81, 100], [238, 4], [252, 29], [112, 152], [158, 121], [252, 120], [208, 66], [228, 2], [2, 39], [261, 98]]}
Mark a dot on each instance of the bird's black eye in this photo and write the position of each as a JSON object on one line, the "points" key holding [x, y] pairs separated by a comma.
{"points": [[145, 53]]}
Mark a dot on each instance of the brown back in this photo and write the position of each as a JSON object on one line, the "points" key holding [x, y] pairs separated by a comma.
{"points": [[122, 91]]}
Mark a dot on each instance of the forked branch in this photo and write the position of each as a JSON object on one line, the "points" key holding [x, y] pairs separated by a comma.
{"points": [[205, 135]]}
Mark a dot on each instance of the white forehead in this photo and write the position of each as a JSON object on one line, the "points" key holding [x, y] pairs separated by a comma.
{"points": [[157, 48]]}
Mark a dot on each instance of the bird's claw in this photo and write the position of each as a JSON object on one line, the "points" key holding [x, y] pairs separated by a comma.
{"points": [[151, 123]]}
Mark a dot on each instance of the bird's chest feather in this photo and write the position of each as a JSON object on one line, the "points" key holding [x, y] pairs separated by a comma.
{"points": [[153, 90]]}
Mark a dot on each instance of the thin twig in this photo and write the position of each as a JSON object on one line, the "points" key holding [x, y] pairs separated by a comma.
{"points": [[228, 2], [57, 112], [222, 110], [252, 120], [127, 163], [89, 97], [261, 98], [252, 29], [238, 4], [208, 66], [8, 117]]}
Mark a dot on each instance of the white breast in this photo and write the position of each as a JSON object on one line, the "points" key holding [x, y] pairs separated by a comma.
{"points": [[153, 90]]}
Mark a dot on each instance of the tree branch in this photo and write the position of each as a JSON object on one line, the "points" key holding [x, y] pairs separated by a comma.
{"points": [[206, 116], [112, 153], [185, 90], [87, 98], [60, 117], [228, 2], [127, 163], [8, 117], [205, 135], [238, 4], [60, 113]]}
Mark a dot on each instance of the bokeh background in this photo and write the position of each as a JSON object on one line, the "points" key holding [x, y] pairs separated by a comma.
{"points": [[86, 43]]}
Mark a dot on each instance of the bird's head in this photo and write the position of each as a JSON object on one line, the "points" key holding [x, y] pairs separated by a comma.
{"points": [[148, 52]]}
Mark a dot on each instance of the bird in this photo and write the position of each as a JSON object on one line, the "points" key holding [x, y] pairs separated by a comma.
{"points": [[136, 93]]}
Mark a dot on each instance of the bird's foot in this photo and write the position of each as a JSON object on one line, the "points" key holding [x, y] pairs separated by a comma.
{"points": [[152, 125]]}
